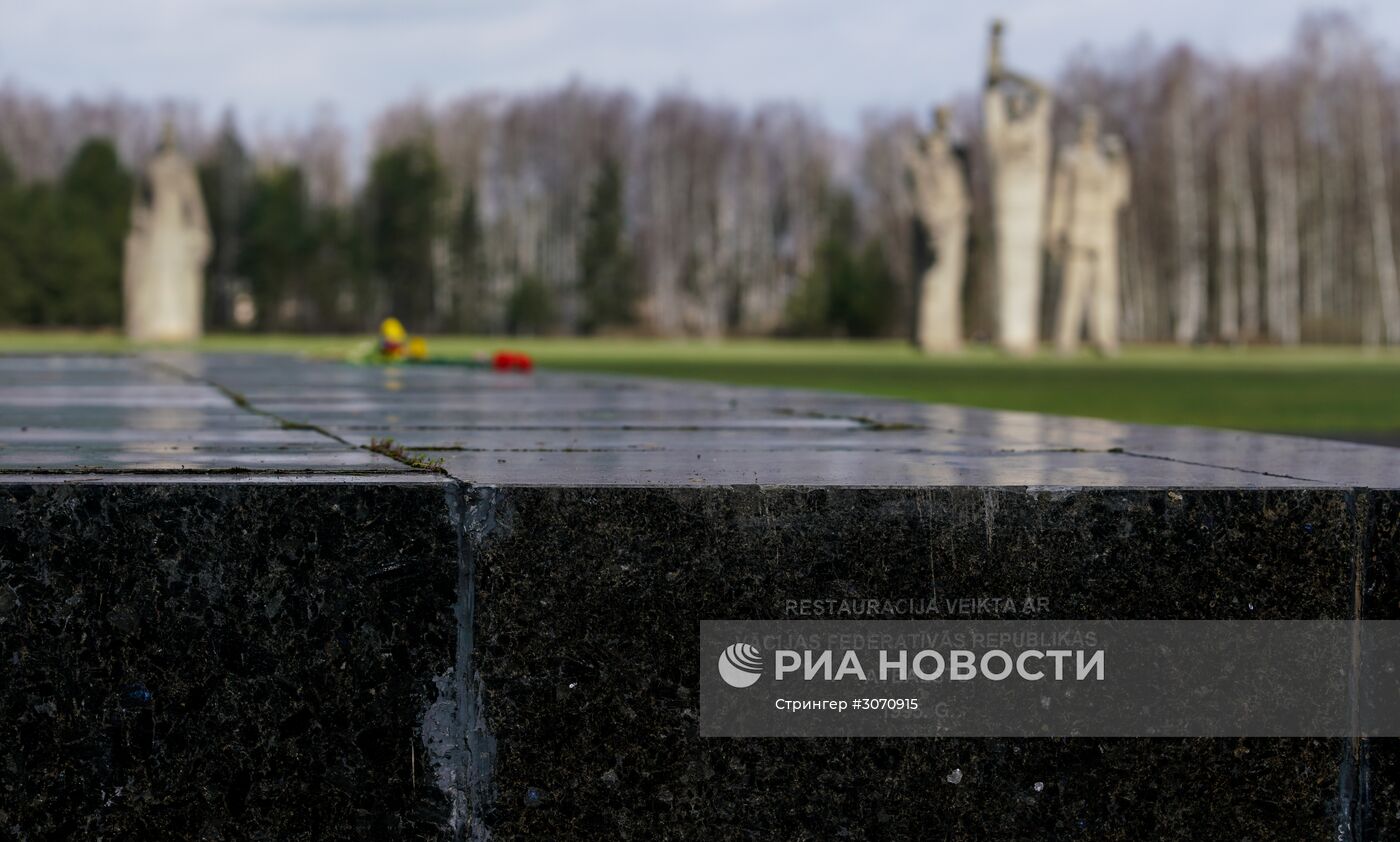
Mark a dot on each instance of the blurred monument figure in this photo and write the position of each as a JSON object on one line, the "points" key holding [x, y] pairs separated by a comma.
{"points": [[1091, 185], [942, 201], [169, 242], [1017, 113]]}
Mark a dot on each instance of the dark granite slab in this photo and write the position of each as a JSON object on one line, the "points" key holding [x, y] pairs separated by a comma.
{"points": [[254, 661], [589, 600], [1380, 766], [223, 616]]}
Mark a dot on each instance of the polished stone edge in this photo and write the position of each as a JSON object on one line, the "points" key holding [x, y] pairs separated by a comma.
{"points": [[400, 541], [432, 478], [226, 478], [736, 487], [1353, 798], [474, 512]]}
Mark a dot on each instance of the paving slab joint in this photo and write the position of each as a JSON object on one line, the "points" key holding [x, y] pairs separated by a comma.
{"points": [[386, 447]]}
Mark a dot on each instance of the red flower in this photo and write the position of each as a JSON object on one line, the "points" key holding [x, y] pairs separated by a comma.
{"points": [[512, 361]]}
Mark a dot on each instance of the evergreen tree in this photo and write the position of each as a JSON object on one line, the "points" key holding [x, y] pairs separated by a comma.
{"points": [[277, 245], [467, 243], [851, 290], [61, 244], [530, 309], [333, 286], [401, 201], [93, 209], [606, 275], [14, 289], [225, 180]]}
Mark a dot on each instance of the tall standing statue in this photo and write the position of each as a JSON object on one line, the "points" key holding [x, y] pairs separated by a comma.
{"points": [[1091, 186], [941, 195], [166, 249], [1017, 112]]}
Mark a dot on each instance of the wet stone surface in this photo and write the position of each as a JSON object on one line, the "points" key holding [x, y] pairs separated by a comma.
{"points": [[229, 413], [227, 610]]}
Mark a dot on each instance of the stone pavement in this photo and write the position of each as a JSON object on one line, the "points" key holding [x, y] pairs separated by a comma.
{"points": [[229, 610], [265, 415]]}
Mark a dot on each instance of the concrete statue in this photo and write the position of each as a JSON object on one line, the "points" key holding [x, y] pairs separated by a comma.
{"points": [[166, 249], [1091, 185], [1017, 111], [943, 204]]}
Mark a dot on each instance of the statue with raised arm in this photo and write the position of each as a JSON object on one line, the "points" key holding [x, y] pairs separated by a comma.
{"points": [[1091, 186], [942, 202], [166, 249], [1017, 111]]}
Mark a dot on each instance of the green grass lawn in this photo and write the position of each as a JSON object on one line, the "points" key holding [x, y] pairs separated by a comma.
{"points": [[1324, 390]]}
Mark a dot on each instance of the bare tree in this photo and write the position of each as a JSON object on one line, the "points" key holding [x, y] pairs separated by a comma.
{"points": [[1378, 207]]}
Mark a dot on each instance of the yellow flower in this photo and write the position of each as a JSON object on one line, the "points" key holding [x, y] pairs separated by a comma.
{"points": [[391, 331]]}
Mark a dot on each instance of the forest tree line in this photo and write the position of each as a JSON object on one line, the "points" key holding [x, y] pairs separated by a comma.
{"points": [[1265, 204]]}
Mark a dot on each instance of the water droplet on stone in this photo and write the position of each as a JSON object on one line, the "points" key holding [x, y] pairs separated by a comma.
{"points": [[955, 776]]}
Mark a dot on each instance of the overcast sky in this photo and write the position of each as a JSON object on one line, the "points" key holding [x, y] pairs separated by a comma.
{"points": [[275, 60]]}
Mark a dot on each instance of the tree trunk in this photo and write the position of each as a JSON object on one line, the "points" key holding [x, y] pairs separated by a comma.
{"points": [[1382, 247], [1190, 291]]}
